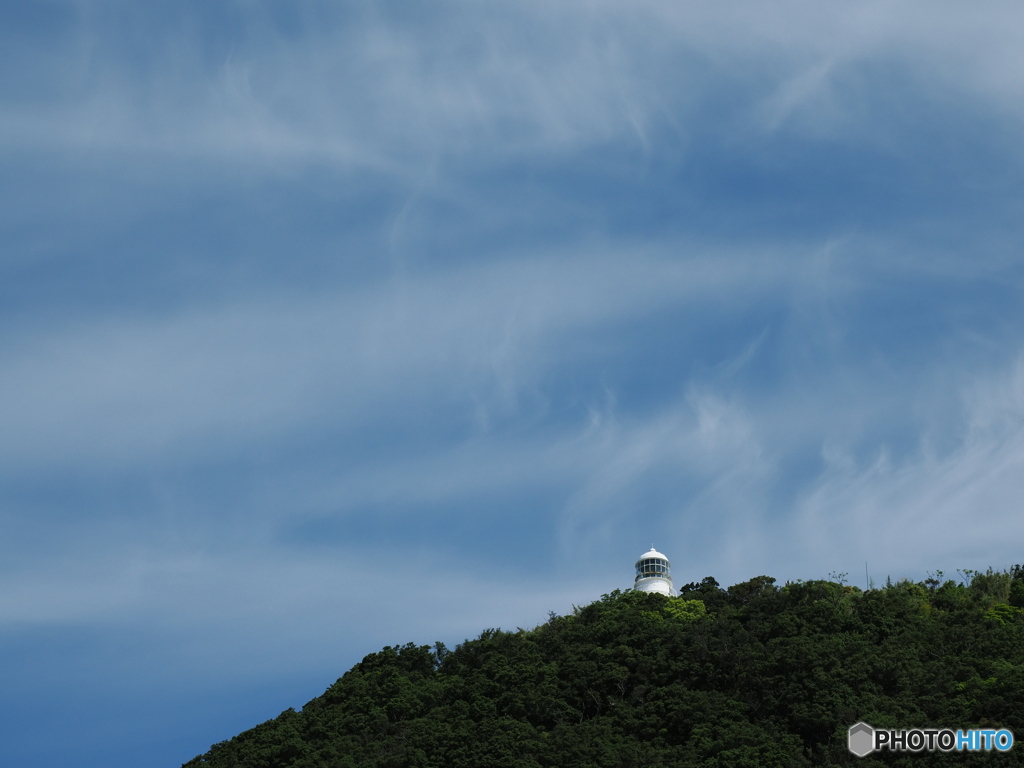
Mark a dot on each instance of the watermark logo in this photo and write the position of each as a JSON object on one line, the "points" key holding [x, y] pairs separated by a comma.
{"points": [[863, 739]]}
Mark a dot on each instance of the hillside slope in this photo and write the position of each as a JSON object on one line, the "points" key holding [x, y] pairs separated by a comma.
{"points": [[753, 675]]}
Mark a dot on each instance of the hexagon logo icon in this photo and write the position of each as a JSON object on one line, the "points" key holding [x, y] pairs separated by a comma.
{"points": [[860, 739]]}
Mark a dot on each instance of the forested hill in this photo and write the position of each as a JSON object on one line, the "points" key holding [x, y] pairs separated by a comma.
{"points": [[754, 675]]}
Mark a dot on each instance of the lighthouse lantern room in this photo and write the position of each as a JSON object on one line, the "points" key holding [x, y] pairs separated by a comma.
{"points": [[653, 573]]}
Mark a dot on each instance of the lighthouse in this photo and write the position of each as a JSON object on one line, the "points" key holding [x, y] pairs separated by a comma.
{"points": [[653, 573]]}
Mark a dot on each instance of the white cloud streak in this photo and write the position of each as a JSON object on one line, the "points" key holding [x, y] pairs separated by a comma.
{"points": [[501, 80], [120, 391], [959, 504]]}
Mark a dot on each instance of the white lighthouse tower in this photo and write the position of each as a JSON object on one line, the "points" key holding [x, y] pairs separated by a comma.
{"points": [[653, 573]]}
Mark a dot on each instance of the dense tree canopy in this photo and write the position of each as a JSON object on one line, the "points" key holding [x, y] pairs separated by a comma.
{"points": [[754, 675]]}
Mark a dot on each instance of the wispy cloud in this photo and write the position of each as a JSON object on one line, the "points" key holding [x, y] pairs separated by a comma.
{"points": [[272, 363], [371, 89], [957, 504]]}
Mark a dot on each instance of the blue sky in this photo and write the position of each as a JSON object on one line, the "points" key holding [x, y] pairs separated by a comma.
{"points": [[328, 326]]}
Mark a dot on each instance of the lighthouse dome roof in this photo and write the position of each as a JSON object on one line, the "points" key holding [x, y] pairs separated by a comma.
{"points": [[651, 554]]}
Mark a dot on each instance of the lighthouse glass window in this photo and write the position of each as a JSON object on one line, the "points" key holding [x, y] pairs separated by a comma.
{"points": [[653, 568]]}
